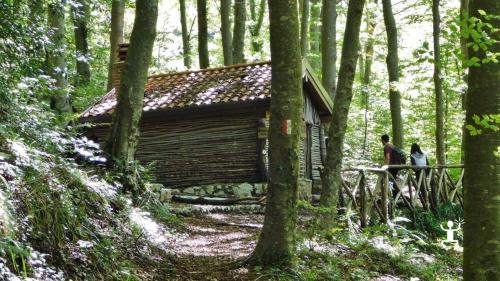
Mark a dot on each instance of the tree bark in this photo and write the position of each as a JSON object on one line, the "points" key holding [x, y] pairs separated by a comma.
{"points": [[240, 18], [227, 47], [304, 27], [371, 23], [438, 90], [124, 135], [186, 44], [277, 242], [314, 34], [115, 36], [203, 34], [257, 20], [36, 15], [482, 162], [329, 45], [80, 16], [331, 178], [393, 69], [464, 13], [56, 62]]}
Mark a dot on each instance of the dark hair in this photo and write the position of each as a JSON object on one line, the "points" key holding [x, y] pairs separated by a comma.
{"points": [[385, 138], [416, 148]]}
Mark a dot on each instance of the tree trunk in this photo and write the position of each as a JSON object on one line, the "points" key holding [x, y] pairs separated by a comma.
{"points": [[329, 45], [371, 23], [203, 34], [36, 15], [240, 18], [331, 178], [276, 245], [440, 149], [257, 19], [186, 45], [314, 34], [115, 36], [56, 62], [393, 69], [464, 13], [482, 161], [125, 126], [304, 27], [227, 47], [81, 15]]}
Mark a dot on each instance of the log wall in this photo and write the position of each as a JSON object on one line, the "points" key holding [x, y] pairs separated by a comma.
{"points": [[199, 150]]}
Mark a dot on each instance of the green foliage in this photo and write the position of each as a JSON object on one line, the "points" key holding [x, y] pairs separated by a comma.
{"points": [[428, 223], [478, 31], [487, 121], [16, 255]]}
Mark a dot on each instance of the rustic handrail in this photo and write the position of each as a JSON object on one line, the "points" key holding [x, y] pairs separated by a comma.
{"points": [[405, 167], [368, 197]]}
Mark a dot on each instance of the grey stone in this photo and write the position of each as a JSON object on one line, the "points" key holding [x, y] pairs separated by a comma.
{"points": [[305, 189], [209, 189], [175, 191], [243, 190], [165, 194], [189, 190], [155, 187], [260, 188]]}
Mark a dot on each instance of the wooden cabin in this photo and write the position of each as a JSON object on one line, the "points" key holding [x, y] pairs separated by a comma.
{"points": [[210, 126]]}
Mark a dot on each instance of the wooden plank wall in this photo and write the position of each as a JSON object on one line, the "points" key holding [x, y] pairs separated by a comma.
{"points": [[200, 150], [195, 151], [316, 151]]}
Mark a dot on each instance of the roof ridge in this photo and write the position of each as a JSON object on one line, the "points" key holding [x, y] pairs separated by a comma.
{"points": [[210, 69]]}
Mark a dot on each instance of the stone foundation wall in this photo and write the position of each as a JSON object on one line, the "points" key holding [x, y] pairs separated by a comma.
{"points": [[229, 190]]}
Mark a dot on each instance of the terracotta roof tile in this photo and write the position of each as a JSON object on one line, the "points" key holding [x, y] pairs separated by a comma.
{"points": [[198, 88]]}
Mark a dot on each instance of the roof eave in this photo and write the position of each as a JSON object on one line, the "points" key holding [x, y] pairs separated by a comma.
{"points": [[322, 94]]}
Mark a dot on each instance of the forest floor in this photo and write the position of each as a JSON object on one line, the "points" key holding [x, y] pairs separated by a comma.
{"points": [[212, 245]]}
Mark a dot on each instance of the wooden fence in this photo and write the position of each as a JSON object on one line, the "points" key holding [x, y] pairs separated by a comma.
{"points": [[374, 192]]}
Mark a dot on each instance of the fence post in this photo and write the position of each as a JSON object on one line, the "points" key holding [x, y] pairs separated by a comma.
{"points": [[363, 203], [385, 201]]}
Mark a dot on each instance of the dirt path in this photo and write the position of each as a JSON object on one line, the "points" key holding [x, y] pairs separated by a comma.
{"points": [[213, 244]]}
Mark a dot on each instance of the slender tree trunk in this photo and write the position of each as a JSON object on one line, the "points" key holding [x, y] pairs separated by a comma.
{"points": [[257, 20], [37, 19], [124, 135], [329, 45], [227, 47], [304, 27], [36, 15], [276, 245], [56, 62], [438, 91], [331, 178], [186, 44], [482, 161], [81, 15], [240, 18], [464, 13], [371, 23], [393, 69], [203, 34], [314, 35], [115, 36]]}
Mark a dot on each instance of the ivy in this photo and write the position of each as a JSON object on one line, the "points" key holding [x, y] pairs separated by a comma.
{"points": [[487, 121]]}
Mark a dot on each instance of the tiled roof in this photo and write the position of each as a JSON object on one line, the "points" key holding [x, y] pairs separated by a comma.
{"points": [[197, 88]]}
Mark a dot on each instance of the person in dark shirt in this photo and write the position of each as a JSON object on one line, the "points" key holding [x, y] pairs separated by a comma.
{"points": [[389, 160]]}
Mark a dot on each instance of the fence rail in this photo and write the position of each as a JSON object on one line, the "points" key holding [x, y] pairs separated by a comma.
{"points": [[374, 192]]}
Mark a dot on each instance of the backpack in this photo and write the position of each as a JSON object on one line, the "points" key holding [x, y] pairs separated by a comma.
{"points": [[398, 156]]}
